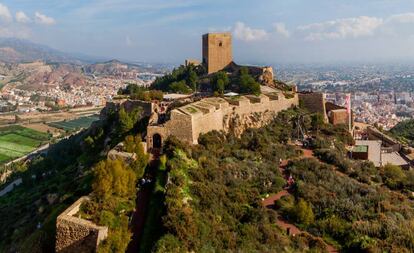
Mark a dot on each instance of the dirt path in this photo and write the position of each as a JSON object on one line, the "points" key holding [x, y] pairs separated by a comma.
{"points": [[138, 218], [141, 209], [281, 222]]}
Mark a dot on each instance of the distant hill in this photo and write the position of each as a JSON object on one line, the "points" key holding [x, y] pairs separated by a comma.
{"points": [[119, 69], [14, 50]]}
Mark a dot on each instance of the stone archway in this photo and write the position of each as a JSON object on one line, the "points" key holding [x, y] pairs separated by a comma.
{"points": [[156, 141]]}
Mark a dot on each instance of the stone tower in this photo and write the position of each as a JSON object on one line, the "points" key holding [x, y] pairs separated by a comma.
{"points": [[217, 51]]}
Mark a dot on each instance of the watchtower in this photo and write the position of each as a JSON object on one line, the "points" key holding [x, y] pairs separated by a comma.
{"points": [[217, 51]]}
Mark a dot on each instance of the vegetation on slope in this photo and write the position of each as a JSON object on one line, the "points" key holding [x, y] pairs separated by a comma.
{"points": [[53, 182], [404, 131], [213, 198], [357, 216]]}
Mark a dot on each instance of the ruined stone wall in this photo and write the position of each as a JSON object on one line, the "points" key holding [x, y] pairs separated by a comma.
{"points": [[74, 235], [148, 107], [217, 51]]}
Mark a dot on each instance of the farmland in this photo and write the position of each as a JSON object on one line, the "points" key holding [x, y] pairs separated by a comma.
{"points": [[76, 124], [17, 141]]}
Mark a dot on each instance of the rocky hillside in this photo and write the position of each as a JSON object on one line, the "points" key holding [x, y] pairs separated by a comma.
{"points": [[40, 75]]}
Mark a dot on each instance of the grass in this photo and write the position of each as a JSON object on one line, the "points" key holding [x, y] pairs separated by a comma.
{"points": [[76, 124], [191, 110], [17, 141]]}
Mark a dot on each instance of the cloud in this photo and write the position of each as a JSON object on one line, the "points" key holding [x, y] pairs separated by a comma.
{"points": [[5, 14], [342, 28], [43, 19], [21, 17], [403, 18], [281, 29], [245, 33]]}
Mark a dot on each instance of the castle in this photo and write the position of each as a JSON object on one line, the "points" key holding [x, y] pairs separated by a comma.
{"points": [[231, 114]]}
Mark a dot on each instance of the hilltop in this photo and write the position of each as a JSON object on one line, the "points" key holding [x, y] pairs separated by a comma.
{"points": [[14, 50]]}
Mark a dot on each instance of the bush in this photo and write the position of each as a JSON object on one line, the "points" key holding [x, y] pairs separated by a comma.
{"points": [[168, 244], [393, 176], [117, 240], [303, 213]]}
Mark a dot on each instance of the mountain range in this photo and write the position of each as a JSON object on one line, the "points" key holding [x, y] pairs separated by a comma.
{"points": [[14, 50]]}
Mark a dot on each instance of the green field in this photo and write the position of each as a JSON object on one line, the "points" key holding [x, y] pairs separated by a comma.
{"points": [[17, 141], [76, 124]]}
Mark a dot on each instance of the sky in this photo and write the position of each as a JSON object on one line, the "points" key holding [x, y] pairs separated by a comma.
{"points": [[264, 31]]}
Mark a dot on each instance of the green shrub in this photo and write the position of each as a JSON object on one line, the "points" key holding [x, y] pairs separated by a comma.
{"points": [[393, 176]]}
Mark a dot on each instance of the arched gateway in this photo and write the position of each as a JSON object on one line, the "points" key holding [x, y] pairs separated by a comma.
{"points": [[156, 141]]}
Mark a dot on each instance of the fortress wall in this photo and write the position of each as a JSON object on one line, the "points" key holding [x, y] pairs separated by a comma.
{"points": [[273, 105], [236, 117], [148, 107], [314, 102], [181, 126], [206, 123], [75, 235]]}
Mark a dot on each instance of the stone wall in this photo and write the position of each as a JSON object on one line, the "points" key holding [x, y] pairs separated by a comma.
{"points": [[314, 102], [128, 104], [234, 115], [74, 235]]}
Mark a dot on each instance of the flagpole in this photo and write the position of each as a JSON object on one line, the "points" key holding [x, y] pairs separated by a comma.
{"points": [[349, 112]]}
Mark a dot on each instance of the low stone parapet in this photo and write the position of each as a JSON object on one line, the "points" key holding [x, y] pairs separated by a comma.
{"points": [[75, 235]]}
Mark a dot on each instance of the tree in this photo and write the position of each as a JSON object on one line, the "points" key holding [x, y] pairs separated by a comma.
{"points": [[220, 81], [133, 144], [317, 121], [220, 86], [247, 84], [180, 87], [169, 244], [303, 213], [112, 177], [103, 179], [192, 79], [128, 120]]}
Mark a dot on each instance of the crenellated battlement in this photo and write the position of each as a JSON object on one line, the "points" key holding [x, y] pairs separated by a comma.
{"points": [[235, 114]]}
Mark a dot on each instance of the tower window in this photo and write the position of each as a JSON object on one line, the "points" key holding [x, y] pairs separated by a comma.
{"points": [[220, 44]]}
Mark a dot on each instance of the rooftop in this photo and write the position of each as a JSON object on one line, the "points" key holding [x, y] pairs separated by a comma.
{"points": [[376, 155], [374, 150]]}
